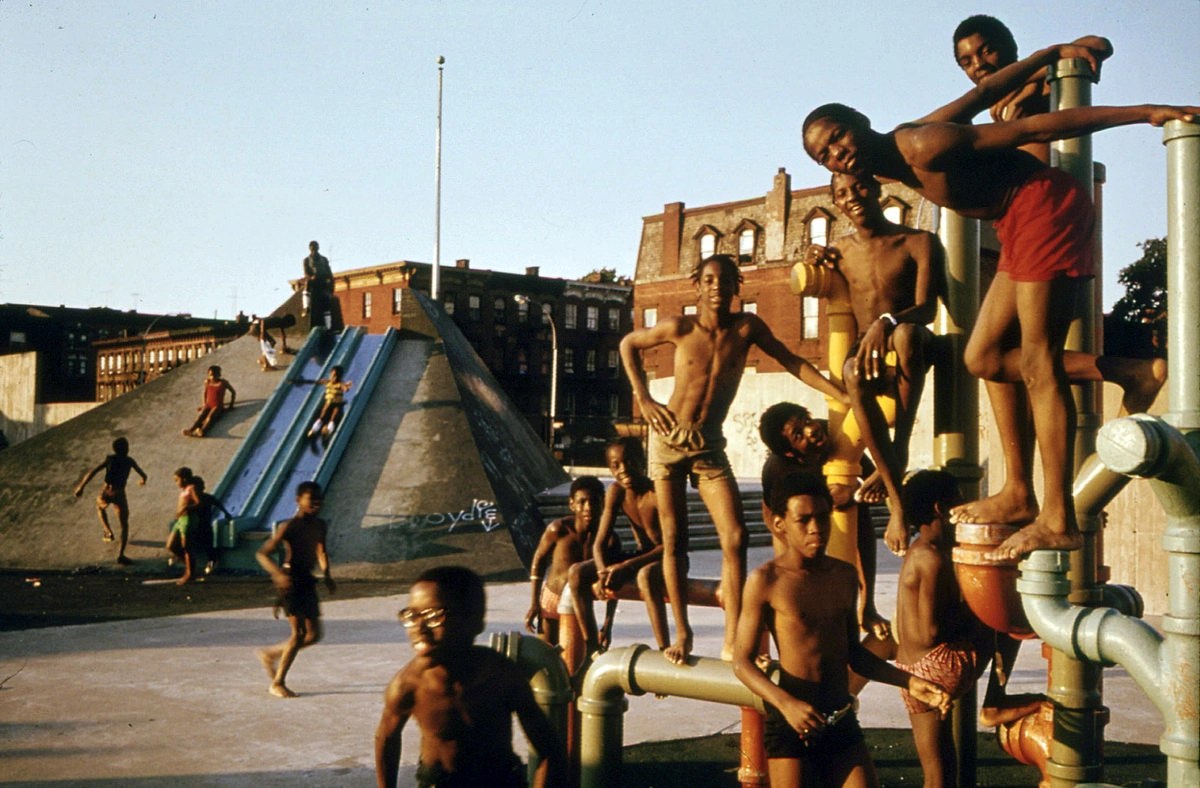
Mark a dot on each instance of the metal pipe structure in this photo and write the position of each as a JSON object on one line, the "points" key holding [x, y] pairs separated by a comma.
{"points": [[636, 670], [1167, 668], [547, 678], [956, 415], [1167, 452]]}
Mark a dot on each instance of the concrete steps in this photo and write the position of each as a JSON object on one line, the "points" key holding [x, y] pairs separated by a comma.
{"points": [[702, 534]]}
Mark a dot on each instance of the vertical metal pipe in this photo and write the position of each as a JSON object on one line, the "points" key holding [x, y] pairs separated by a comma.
{"points": [[1075, 687], [1183, 272], [436, 273], [956, 414]]}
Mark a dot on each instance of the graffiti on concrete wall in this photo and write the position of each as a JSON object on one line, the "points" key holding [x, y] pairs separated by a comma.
{"points": [[481, 513]]}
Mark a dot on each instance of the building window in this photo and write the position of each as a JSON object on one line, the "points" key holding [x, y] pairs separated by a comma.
{"points": [[818, 230], [810, 307], [614, 319], [448, 303], [614, 406], [746, 246], [473, 307], [366, 304], [750, 307], [590, 362], [396, 298], [593, 318], [649, 317], [16, 337], [522, 362], [498, 309], [708, 246], [523, 310], [614, 360], [571, 316], [689, 309], [568, 361], [569, 401]]}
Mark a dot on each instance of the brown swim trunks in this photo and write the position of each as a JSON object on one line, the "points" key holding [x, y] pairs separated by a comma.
{"points": [[686, 450]]}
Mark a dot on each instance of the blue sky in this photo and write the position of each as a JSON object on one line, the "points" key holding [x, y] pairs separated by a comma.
{"points": [[178, 156]]}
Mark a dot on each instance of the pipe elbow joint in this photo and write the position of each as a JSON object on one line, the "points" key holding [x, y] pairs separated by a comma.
{"points": [[609, 678]]}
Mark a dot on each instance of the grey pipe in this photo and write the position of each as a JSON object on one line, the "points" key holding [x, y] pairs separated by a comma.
{"points": [[547, 678], [1183, 270], [1166, 667], [636, 670]]}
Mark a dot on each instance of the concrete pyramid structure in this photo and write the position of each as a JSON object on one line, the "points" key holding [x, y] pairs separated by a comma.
{"points": [[440, 468]]}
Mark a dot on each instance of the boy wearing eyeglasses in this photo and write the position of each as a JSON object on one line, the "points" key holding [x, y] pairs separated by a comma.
{"points": [[462, 696], [304, 537]]}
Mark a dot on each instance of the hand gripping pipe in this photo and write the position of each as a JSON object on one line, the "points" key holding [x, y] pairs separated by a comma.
{"points": [[1166, 666], [636, 670], [547, 678]]}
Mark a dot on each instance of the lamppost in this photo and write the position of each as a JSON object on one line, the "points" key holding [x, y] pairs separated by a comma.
{"points": [[146, 332], [548, 314]]}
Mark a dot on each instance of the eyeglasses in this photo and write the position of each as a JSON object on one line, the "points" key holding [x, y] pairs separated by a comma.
{"points": [[430, 617]]}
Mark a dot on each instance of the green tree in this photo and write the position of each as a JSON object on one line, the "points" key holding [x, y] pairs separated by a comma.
{"points": [[1138, 321]]}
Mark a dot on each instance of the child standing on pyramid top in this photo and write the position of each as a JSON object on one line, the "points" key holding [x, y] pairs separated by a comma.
{"points": [[687, 436]]}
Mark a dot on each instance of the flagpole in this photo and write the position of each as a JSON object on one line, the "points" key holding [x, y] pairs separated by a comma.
{"points": [[435, 281]]}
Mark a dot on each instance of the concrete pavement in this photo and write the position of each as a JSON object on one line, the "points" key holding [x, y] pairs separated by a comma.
{"points": [[183, 700]]}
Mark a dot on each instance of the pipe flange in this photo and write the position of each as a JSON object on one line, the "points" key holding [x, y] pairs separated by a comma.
{"points": [[1176, 129], [1131, 445]]}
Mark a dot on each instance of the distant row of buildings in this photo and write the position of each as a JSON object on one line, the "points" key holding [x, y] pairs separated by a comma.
{"points": [[513, 320]]}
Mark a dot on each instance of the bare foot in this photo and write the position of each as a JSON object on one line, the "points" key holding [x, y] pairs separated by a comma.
{"points": [[124, 561], [872, 490], [1036, 536], [999, 509], [678, 652], [727, 652], [281, 691], [1011, 709], [268, 662], [109, 535], [1143, 390], [184, 580]]}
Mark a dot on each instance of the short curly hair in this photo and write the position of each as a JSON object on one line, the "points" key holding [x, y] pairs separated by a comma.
{"points": [[772, 421], [993, 30]]}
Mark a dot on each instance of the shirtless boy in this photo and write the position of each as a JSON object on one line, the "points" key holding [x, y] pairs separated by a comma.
{"points": [[604, 575], [212, 404], [1045, 223], [807, 601], [937, 634], [303, 536], [895, 275], [116, 467], [565, 542], [987, 53], [183, 528], [462, 696]]}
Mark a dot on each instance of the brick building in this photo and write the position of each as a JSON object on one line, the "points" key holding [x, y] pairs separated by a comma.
{"points": [[767, 235], [515, 339]]}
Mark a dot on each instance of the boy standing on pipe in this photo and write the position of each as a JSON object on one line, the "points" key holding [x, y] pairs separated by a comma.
{"points": [[808, 601], [986, 52], [1045, 224], [687, 438]]}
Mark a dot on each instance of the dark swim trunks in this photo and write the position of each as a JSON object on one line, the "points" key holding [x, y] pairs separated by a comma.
{"points": [[819, 750], [301, 599], [1048, 229], [493, 775]]}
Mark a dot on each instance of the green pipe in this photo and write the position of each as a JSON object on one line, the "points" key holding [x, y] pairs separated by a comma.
{"points": [[956, 416], [1167, 666], [1183, 272], [547, 676], [636, 670], [1074, 686]]}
